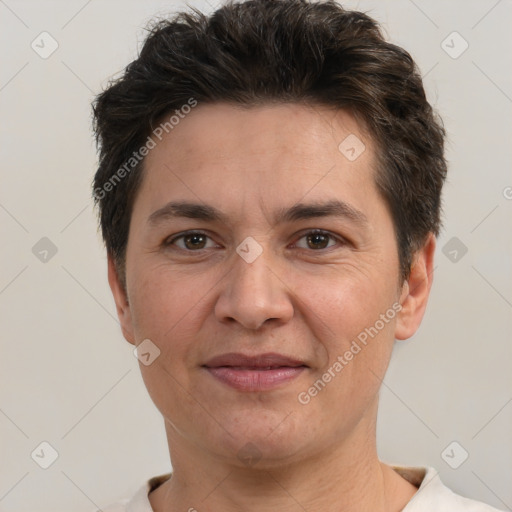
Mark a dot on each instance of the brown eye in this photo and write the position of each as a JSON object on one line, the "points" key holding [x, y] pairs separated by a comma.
{"points": [[316, 240], [192, 241]]}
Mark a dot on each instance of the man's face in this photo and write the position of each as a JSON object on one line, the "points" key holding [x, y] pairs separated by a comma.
{"points": [[316, 265]]}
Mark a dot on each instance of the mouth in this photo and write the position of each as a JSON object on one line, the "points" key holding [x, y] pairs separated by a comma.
{"points": [[254, 373]]}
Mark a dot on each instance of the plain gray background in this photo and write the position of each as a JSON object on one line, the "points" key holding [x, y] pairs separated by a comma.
{"points": [[67, 375]]}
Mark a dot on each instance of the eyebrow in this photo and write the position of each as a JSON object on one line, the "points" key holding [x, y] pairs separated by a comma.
{"points": [[300, 211]]}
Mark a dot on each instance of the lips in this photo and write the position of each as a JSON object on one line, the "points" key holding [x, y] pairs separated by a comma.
{"points": [[261, 361], [254, 373]]}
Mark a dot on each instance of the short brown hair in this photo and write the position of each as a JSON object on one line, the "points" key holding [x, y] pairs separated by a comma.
{"points": [[258, 51]]}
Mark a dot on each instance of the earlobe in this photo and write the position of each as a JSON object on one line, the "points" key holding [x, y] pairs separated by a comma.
{"points": [[416, 290], [121, 300]]}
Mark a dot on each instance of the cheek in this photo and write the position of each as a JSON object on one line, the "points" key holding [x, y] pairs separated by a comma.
{"points": [[173, 309], [168, 310], [343, 303], [352, 318], [162, 302]]}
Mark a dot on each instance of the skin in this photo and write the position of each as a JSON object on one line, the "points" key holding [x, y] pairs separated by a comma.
{"points": [[298, 298]]}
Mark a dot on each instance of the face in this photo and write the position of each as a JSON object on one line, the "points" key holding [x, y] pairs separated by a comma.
{"points": [[262, 262]]}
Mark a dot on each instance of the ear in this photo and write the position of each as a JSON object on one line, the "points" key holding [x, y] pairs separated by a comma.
{"points": [[121, 300], [416, 290]]}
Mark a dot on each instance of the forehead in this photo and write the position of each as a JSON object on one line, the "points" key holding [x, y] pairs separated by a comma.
{"points": [[270, 153], [224, 129], [263, 139]]}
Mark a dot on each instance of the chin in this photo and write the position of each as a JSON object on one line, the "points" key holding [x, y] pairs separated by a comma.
{"points": [[263, 438]]}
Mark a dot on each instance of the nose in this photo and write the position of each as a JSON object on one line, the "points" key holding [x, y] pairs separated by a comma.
{"points": [[253, 294]]}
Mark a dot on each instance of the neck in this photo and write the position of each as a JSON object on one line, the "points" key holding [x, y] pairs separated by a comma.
{"points": [[344, 477]]}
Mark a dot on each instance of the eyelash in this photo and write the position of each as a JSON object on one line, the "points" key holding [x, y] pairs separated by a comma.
{"points": [[171, 241]]}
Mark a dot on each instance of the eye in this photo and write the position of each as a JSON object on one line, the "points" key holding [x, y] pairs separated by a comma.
{"points": [[197, 240], [191, 241], [317, 240]]}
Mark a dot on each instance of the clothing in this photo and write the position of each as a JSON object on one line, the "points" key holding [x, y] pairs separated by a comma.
{"points": [[432, 495]]}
